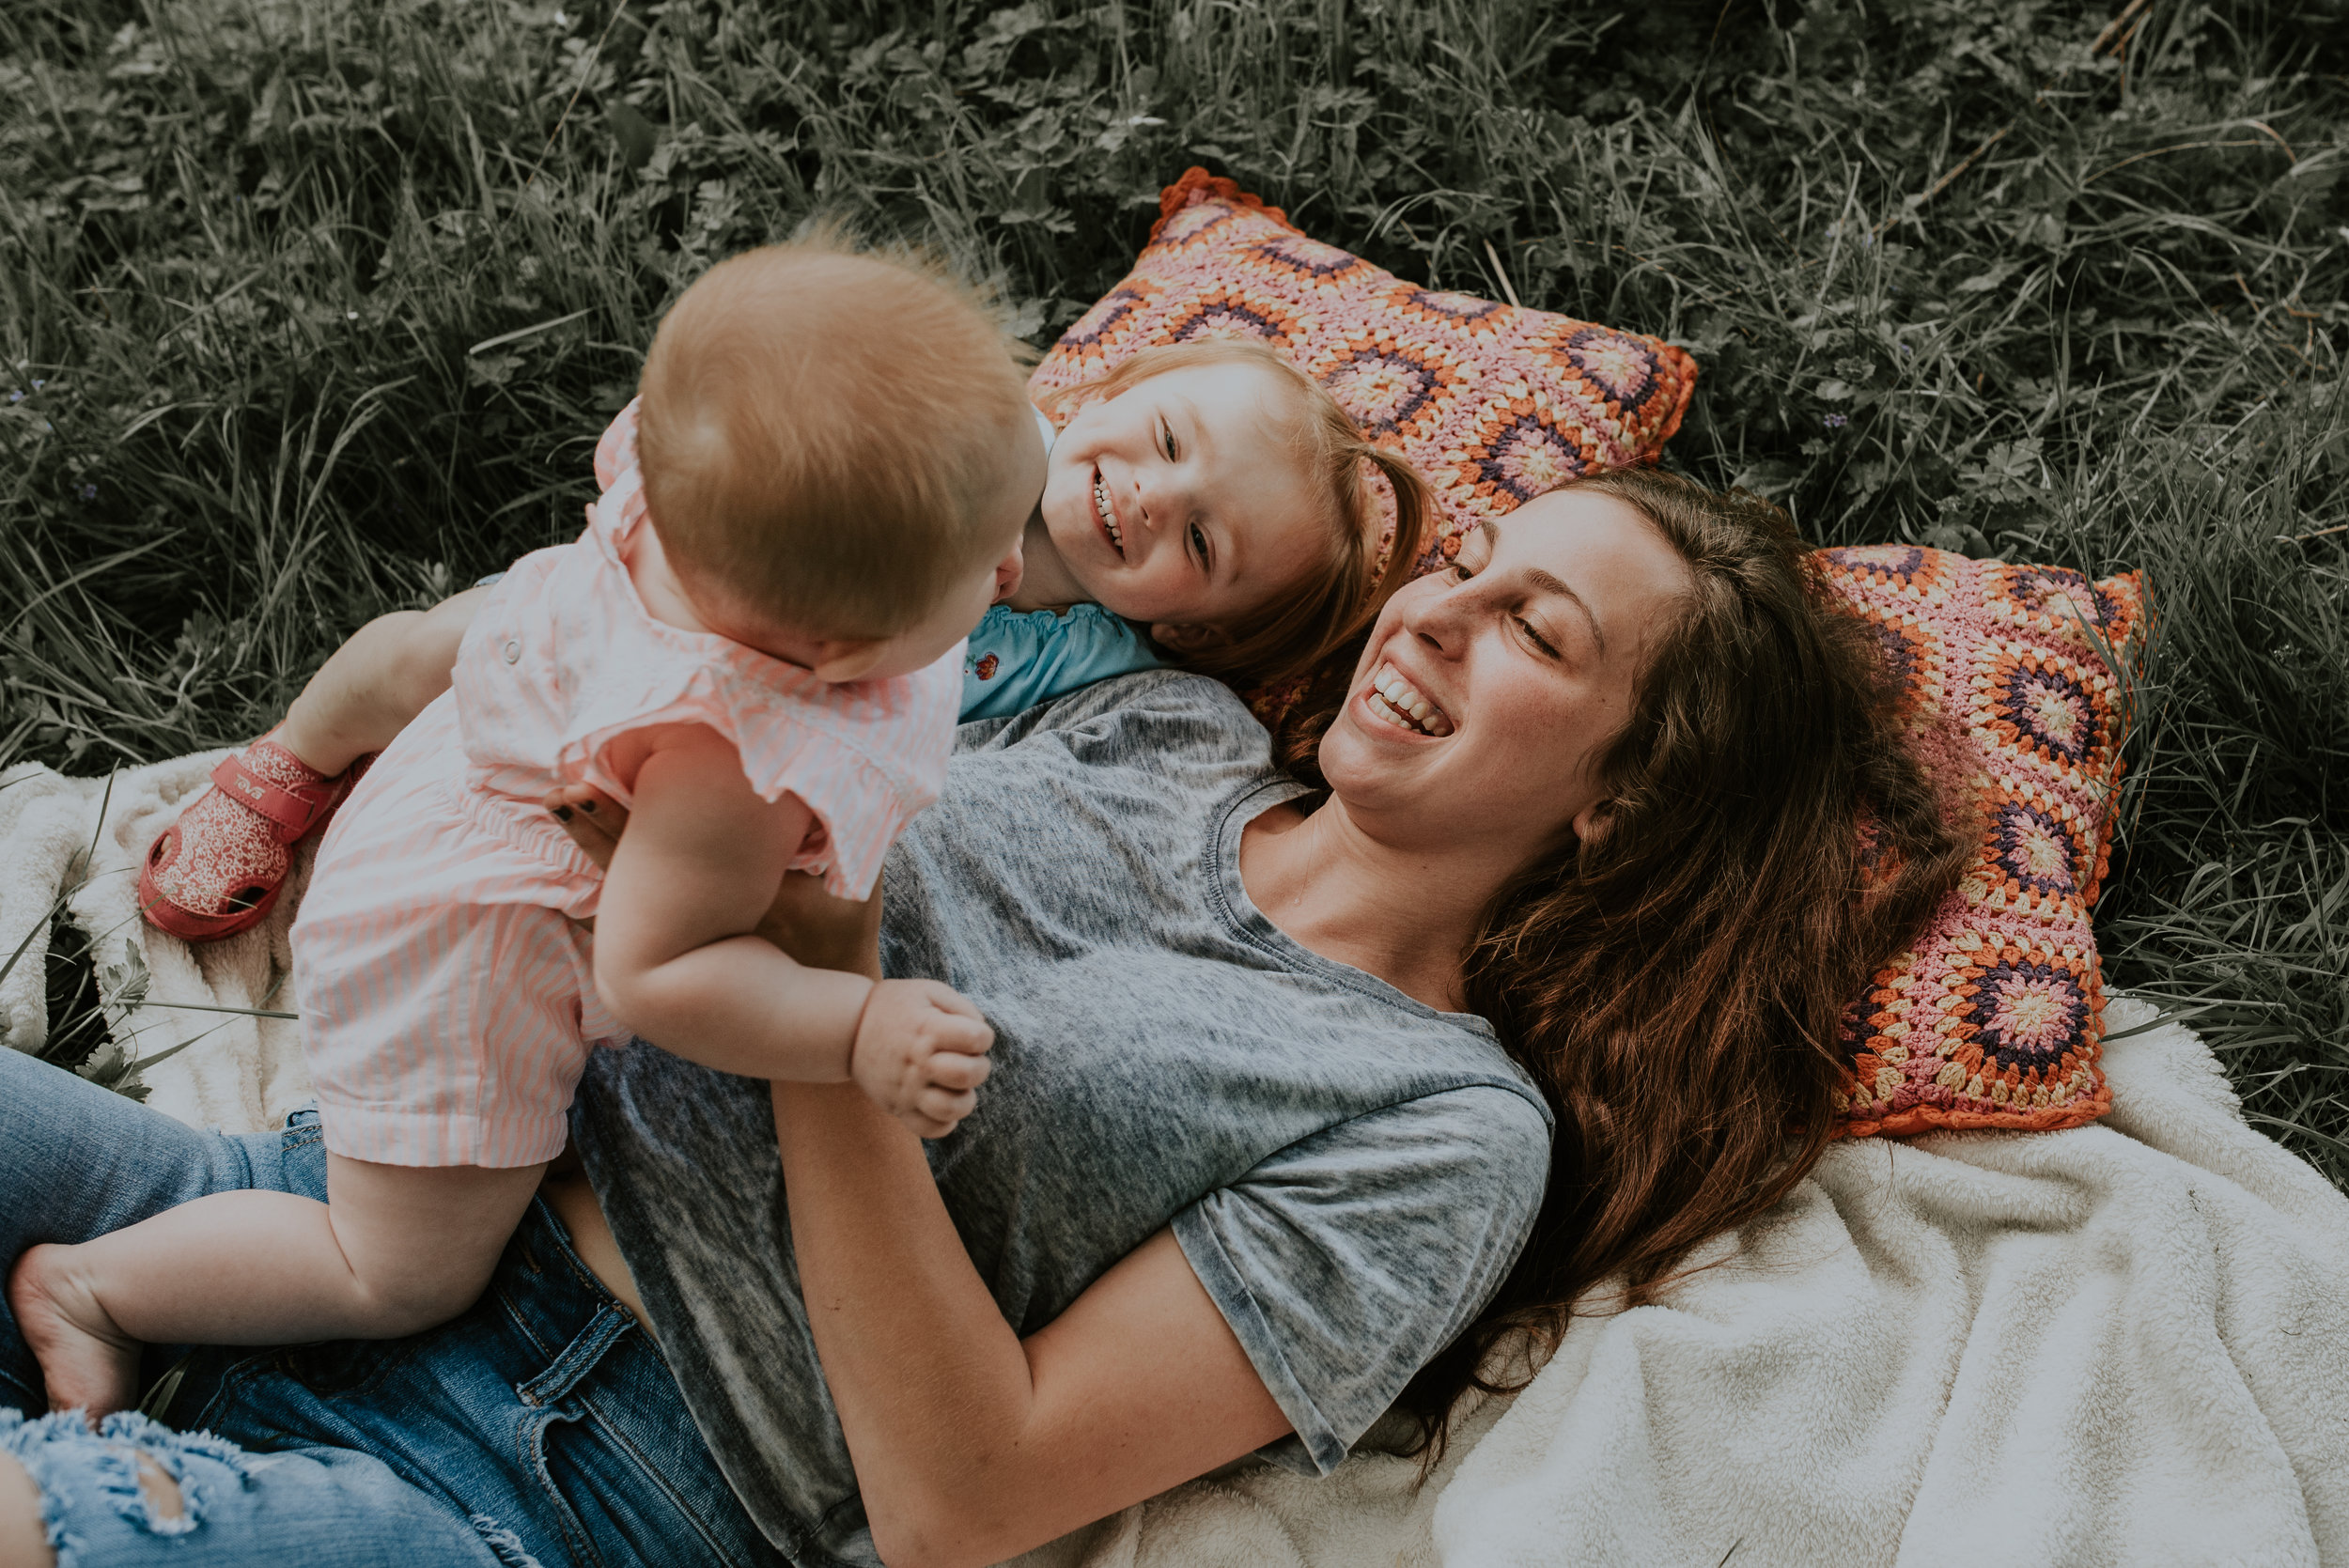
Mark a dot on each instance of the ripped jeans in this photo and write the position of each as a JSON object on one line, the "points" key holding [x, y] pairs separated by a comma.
{"points": [[540, 1427]]}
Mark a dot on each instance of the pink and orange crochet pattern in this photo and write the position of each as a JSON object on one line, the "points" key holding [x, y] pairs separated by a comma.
{"points": [[1993, 1019]]}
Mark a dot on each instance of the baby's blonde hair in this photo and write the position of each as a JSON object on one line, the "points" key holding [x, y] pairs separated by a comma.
{"points": [[1296, 629], [825, 435]]}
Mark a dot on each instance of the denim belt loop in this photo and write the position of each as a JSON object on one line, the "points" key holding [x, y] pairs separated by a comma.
{"points": [[579, 1357]]}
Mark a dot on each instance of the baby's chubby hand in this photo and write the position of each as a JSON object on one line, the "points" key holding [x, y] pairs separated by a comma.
{"points": [[921, 1054]]}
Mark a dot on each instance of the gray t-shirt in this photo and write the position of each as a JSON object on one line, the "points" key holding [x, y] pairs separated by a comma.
{"points": [[1349, 1173]]}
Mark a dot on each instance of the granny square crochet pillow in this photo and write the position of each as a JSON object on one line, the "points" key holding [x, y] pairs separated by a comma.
{"points": [[1993, 1019], [1491, 403]]}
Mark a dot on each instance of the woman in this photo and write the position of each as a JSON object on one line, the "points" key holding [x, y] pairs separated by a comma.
{"points": [[1246, 1164]]}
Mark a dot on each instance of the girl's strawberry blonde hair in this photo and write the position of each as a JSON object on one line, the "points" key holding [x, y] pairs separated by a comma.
{"points": [[1297, 629]]}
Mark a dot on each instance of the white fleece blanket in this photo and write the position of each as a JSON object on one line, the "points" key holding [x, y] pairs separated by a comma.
{"points": [[2126, 1344], [240, 1072]]}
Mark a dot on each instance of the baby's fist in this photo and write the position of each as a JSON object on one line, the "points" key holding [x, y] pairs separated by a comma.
{"points": [[921, 1054]]}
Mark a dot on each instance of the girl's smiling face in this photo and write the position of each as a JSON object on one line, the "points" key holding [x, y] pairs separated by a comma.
{"points": [[1183, 501]]}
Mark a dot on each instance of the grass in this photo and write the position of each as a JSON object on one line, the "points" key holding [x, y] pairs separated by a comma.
{"points": [[315, 310]]}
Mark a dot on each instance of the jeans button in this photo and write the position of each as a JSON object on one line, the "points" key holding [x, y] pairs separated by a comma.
{"points": [[513, 652]]}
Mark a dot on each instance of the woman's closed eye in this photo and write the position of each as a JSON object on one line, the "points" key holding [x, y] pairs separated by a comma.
{"points": [[1463, 568]]}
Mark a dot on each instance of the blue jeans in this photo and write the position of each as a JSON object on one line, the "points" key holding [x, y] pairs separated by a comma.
{"points": [[542, 1426]]}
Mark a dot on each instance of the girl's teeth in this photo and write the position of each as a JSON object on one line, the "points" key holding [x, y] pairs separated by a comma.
{"points": [[1109, 519]]}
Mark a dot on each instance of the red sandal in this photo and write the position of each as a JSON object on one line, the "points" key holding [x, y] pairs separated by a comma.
{"points": [[219, 869]]}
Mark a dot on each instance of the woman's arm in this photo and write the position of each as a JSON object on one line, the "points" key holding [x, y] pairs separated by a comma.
{"points": [[971, 1444]]}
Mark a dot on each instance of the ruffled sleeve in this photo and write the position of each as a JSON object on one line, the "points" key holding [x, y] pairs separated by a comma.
{"points": [[616, 453], [866, 757], [865, 768]]}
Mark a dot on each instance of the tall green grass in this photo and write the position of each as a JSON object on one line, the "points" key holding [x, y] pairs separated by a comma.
{"points": [[316, 309]]}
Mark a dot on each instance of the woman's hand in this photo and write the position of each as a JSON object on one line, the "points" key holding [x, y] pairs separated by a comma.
{"points": [[593, 819], [804, 921]]}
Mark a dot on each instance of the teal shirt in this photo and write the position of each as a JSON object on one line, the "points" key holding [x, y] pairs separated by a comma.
{"points": [[1020, 658]]}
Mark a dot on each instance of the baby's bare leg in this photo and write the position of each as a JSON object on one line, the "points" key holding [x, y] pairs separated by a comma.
{"points": [[394, 1250], [368, 690]]}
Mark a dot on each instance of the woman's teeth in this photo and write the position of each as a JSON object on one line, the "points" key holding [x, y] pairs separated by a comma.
{"points": [[1401, 704], [1109, 519]]}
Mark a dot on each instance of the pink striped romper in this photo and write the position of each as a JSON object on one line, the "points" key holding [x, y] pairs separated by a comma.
{"points": [[447, 1001]]}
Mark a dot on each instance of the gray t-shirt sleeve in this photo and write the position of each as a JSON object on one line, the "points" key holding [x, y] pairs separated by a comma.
{"points": [[1348, 1260]]}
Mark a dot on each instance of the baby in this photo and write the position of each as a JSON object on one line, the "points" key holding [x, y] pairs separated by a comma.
{"points": [[753, 646], [1210, 492]]}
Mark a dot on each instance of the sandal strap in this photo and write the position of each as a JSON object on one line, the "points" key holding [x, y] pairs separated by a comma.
{"points": [[295, 812]]}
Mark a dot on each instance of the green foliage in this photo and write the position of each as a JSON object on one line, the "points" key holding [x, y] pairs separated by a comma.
{"points": [[311, 311]]}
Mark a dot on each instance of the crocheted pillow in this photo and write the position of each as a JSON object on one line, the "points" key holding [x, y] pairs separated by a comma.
{"points": [[1993, 1019], [1492, 403]]}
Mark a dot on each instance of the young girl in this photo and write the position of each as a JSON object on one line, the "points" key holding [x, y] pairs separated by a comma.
{"points": [[753, 643], [1211, 492]]}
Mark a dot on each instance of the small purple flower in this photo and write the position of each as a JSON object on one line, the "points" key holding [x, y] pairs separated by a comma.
{"points": [[15, 396], [1836, 420], [87, 492]]}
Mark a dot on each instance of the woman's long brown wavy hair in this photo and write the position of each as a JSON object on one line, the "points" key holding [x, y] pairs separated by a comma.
{"points": [[1675, 983]]}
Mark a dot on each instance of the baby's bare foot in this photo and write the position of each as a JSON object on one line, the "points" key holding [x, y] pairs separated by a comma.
{"points": [[87, 1362]]}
